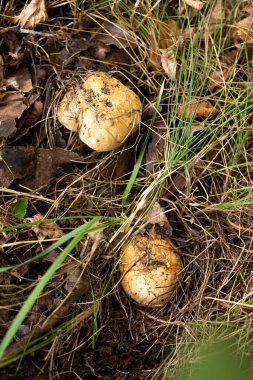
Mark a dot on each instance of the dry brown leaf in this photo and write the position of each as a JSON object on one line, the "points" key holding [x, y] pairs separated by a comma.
{"points": [[179, 181], [50, 257], [35, 111], [195, 108], [7, 129], [244, 31], [13, 106], [157, 216], [45, 230], [217, 17], [155, 151], [196, 4], [195, 127], [16, 163], [11, 109], [163, 46], [21, 80], [32, 14], [73, 278], [115, 33], [48, 162], [169, 63], [101, 50], [218, 77], [1, 69], [120, 166], [248, 8], [97, 237], [20, 271], [35, 167]]}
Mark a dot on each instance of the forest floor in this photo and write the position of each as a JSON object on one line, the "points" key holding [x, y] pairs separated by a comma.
{"points": [[66, 210]]}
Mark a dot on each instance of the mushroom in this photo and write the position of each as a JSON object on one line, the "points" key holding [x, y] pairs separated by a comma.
{"points": [[150, 266], [104, 112]]}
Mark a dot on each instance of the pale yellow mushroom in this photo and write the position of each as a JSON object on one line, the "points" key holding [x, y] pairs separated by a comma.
{"points": [[150, 266], [104, 112]]}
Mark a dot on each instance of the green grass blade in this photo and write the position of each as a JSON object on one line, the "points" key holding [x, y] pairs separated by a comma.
{"points": [[29, 224], [41, 284], [137, 165], [55, 245]]}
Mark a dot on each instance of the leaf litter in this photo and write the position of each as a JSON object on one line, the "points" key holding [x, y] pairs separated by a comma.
{"points": [[49, 162], [163, 46], [34, 167], [45, 230], [33, 13], [195, 108], [243, 32], [196, 4], [114, 33]]}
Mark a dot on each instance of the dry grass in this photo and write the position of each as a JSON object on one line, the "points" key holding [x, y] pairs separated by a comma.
{"points": [[210, 214]]}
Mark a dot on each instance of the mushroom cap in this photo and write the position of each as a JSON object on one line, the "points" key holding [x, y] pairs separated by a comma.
{"points": [[103, 111], [68, 110], [150, 266]]}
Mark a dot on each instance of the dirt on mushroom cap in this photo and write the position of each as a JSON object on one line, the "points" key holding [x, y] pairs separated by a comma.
{"points": [[150, 266], [103, 111]]}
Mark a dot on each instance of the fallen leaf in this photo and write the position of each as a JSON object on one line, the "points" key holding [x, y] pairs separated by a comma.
{"points": [[12, 106], [117, 57], [196, 108], [21, 80], [217, 16], [243, 31], [120, 165], [163, 46], [45, 230], [9, 132], [155, 150], [179, 181], [62, 58], [169, 63], [16, 49], [157, 216], [218, 77], [20, 271], [48, 161], [97, 237], [218, 12], [115, 33], [1, 70], [16, 163], [101, 50], [248, 8], [7, 129], [34, 167], [32, 14], [73, 278], [35, 112], [40, 75], [196, 4], [50, 257]]}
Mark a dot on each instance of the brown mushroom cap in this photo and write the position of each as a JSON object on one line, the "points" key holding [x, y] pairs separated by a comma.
{"points": [[103, 111], [150, 266]]}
